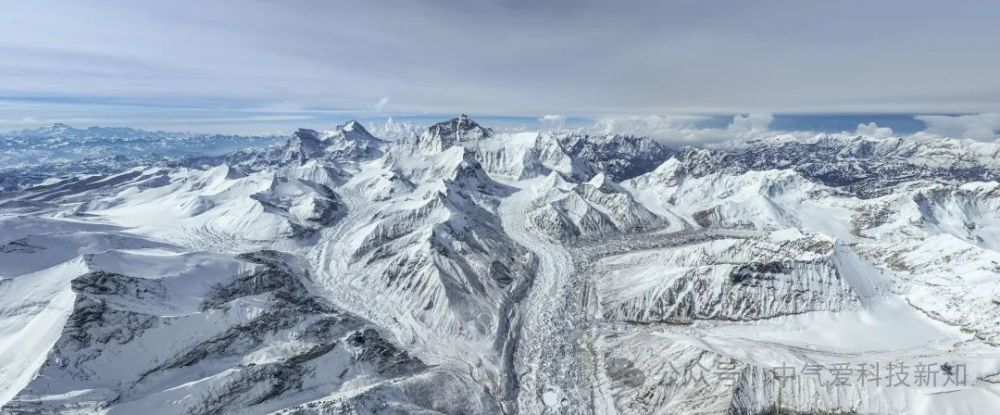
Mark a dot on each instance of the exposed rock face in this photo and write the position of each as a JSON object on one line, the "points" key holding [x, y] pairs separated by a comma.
{"points": [[460, 131], [590, 209], [348, 142], [304, 145], [862, 165], [273, 337], [725, 279], [621, 157]]}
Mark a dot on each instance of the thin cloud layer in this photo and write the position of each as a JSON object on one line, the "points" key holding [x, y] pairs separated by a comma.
{"points": [[689, 130], [684, 129], [580, 58]]}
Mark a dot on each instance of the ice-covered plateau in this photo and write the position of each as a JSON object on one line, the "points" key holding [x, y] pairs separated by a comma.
{"points": [[460, 270]]}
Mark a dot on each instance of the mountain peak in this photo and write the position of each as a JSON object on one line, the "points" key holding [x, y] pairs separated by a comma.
{"points": [[348, 141], [51, 129], [455, 131], [461, 128], [356, 134], [353, 130], [604, 183], [307, 134], [304, 144], [352, 125]]}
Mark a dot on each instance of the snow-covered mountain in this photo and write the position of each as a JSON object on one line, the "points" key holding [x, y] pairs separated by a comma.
{"points": [[461, 270], [61, 143]]}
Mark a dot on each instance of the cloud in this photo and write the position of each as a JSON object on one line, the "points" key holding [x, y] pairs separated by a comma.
{"points": [[873, 130], [648, 125], [982, 127], [582, 57], [381, 104], [753, 122], [685, 129], [553, 121]]}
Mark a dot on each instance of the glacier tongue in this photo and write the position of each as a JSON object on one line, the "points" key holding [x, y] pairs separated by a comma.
{"points": [[462, 270]]}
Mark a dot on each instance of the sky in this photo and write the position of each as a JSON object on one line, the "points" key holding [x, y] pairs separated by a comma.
{"points": [[252, 66]]}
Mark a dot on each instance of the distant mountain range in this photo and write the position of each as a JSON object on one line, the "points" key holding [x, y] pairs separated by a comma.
{"points": [[61, 142]]}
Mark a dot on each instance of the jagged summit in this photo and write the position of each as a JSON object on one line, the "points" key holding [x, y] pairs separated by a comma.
{"points": [[460, 130], [622, 156], [305, 144], [353, 130], [350, 141], [352, 124]]}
